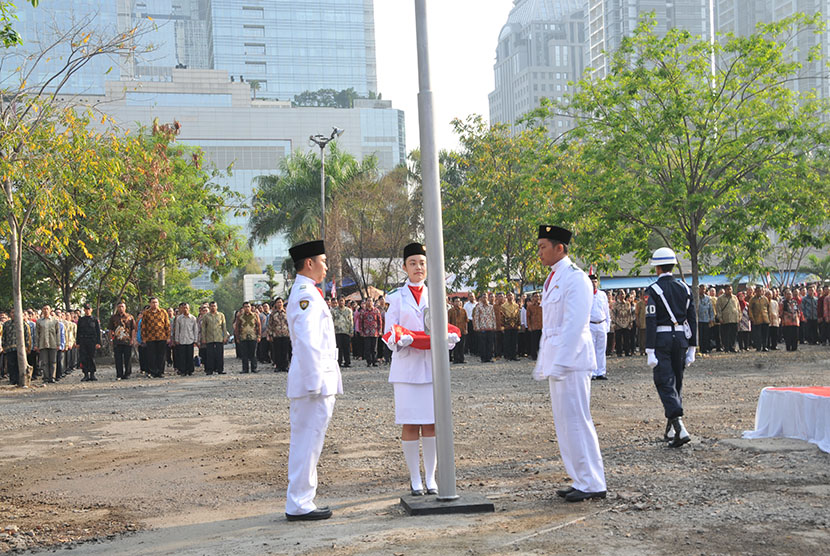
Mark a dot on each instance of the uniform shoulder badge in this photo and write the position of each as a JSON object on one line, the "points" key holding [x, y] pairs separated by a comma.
{"points": [[304, 304], [302, 287]]}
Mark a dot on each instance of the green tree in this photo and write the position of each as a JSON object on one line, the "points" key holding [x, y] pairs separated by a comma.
{"points": [[8, 35], [328, 98], [494, 198], [35, 129], [819, 267], [700, 161], [271, 283]]}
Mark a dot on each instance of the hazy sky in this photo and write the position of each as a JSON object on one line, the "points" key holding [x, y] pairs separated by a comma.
{"points": [[463, 35]]}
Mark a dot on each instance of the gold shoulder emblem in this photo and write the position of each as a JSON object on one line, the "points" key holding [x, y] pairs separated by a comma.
{"points": [[304, 304]]}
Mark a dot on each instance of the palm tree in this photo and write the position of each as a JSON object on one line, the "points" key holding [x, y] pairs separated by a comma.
{"points": [[289, 203], [818, 267], [255, 86]]}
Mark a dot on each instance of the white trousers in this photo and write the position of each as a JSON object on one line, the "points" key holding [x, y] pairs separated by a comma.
{"points": [[309, 417], [575, 432], [600, 342]]}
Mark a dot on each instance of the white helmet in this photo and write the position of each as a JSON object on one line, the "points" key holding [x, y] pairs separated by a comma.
{"points": [[662, 256]]}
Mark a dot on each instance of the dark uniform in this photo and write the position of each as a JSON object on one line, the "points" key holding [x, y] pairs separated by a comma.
{"points": [[89, 335], [668, 339]]}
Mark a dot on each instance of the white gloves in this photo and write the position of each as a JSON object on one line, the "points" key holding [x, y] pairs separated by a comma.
{"points": [[452, 339], [405, 341], [652, 359], [690, 355]]}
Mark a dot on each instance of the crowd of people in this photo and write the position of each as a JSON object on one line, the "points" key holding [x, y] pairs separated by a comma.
{"points": [[494, 325]]}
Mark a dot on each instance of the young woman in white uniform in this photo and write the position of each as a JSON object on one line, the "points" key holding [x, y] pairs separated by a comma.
{"points": [[411, 372]]}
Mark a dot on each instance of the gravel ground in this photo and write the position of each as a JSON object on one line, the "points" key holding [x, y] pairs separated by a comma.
{"points": [[197, 465]]}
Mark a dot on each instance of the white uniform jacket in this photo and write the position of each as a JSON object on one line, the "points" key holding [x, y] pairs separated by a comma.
{"points": [[409, 365], [314, 368], [566, 344], [600, 314]]}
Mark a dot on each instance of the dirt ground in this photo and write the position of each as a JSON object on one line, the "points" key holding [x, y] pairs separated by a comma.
{"points": [[197, 465]]}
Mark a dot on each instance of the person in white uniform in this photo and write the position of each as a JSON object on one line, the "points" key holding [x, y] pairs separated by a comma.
{"points": [[411, 371], [600, 326], [313, 380], [567, 359]]}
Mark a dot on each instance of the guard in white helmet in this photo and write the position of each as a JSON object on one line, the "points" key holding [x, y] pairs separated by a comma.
{"points": [[671, 337]]}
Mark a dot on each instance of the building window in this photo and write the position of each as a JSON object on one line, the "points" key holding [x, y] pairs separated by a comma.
{"points": [[254, 30], [253, 12], [254, 49], [257, 68]]}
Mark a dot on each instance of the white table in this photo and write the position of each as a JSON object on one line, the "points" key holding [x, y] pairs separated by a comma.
{"points": [[794, 412]]}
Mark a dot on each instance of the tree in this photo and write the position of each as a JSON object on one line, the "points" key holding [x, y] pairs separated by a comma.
{"points": [[819, 267], [255, 86], [494, 197], [328, 98], [272, 283], [31, 131], [8, 35], [175, 215], [289, 203], [375, 219], [699, 161]]}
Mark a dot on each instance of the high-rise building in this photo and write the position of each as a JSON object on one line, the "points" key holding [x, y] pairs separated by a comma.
{"points": [[742, 16], [541, 48], [291, 46], [286, 46], [609, 21]]}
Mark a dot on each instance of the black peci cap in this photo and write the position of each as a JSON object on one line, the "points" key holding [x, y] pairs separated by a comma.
{"points": [[592, 277], [306, 250], [555, 233], [414, 249]]}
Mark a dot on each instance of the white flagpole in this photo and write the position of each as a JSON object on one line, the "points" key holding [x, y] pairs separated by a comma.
{"points": [[433, 225]]}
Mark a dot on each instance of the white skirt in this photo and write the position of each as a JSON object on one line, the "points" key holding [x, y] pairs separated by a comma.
{"points": [[414, 404]]}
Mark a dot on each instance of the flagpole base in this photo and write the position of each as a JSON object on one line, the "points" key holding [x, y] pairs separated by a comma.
{"points": [[467, 503]]}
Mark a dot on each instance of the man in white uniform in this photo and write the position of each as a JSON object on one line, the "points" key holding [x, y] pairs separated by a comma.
{"points": [[313, 380], [567, 359], [600, 326]]}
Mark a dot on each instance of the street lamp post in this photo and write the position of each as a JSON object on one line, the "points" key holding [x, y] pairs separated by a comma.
{"points": [[322, 141]]}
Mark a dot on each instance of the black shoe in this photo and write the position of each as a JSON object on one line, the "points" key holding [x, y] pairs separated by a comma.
{"points": [[432, 491], [416, 492], [562, 493], [314, 515], [579, 496], [602, 377]]}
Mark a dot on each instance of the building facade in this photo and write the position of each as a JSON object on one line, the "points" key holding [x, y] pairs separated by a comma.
{"points": [[541, 49], [609, 21]]}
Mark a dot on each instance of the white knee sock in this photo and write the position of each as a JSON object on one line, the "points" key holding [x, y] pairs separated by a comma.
{"points": [[430, 460], [413, 462]]}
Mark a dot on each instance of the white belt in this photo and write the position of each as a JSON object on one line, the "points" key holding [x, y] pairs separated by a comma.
{"points": [[670, 328]]}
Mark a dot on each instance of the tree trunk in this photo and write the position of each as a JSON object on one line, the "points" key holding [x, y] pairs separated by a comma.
{"points": [[16, 259], [694, 253]]}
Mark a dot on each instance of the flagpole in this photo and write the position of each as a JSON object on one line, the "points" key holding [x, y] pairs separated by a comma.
{"points": [[433, 230]]}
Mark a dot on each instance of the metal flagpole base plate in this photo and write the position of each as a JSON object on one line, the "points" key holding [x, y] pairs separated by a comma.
{"points": [[467, 503]]}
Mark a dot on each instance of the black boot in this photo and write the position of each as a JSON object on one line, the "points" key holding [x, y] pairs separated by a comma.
{"points": [[668, 436], [681, 435]]}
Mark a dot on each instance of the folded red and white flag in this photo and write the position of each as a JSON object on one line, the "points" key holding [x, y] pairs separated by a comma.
{"points": [[400, 337]]}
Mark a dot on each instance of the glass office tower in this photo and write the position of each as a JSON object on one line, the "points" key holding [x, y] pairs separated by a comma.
{"points": [[291, 46]]}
